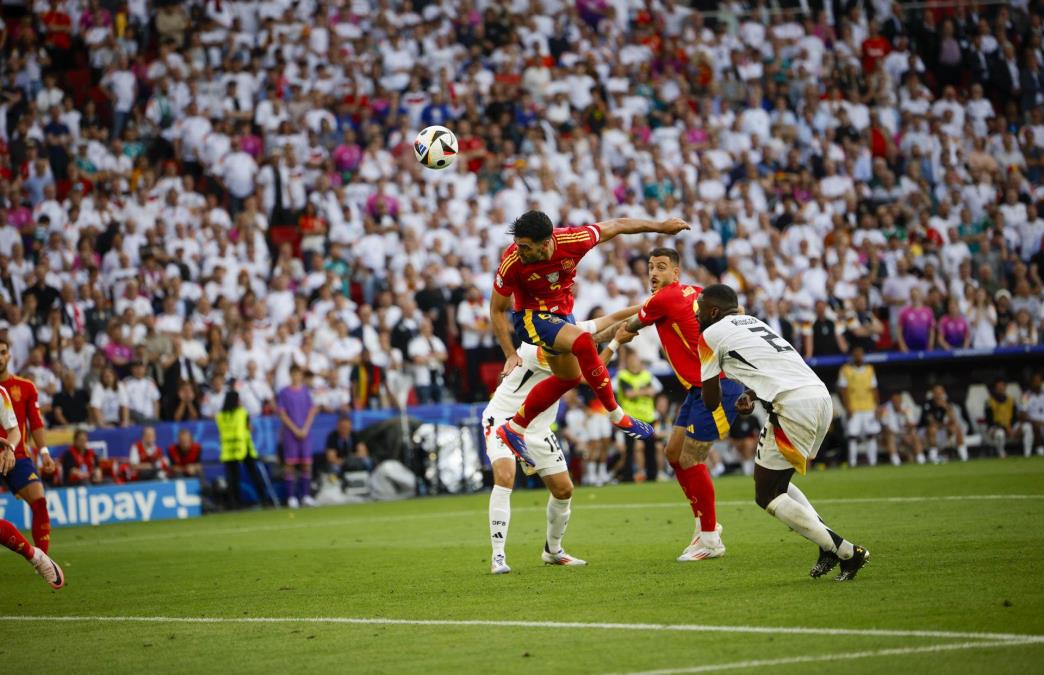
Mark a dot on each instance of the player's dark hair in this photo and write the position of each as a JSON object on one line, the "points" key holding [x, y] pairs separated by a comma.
{"points": [[721, 296], [533, 225], [664, 252]]}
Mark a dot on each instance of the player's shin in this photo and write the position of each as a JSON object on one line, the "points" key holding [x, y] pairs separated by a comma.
{"points": [[542, 397], [594, 372], [805, 522], [41, 524], [499, 518], [13, 539], [558, 511], [797, 495]]}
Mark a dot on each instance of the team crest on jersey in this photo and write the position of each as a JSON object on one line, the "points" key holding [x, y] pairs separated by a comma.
{"points": [[500, 281], [16, 393], [553, 277], [567, 264], [689, 290]]}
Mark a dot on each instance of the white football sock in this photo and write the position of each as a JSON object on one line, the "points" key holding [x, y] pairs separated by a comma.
{"points": [[557, 521], [589, 473], [853, 452], [933, 455], [797, 495], [896, 461], [805, 522], [499, 517], [871, 451], [962, 452], [602, 473], [1027, 440], [748, 467], [616, 414], [920, 458]]}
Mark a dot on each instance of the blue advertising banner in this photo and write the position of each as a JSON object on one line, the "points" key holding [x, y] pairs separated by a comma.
{"points": [[108, 504], [266, 429]]}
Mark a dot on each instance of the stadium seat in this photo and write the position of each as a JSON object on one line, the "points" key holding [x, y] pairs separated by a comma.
{"points": [[975, 404]]}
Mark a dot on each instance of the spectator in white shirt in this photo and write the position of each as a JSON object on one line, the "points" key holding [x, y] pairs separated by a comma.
{"points": [[108, 406], [143, 396], [428, 355]]}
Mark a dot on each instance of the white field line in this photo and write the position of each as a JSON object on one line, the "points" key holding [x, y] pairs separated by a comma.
{"points": [[997, 638], [843, 656], [580, 506]]}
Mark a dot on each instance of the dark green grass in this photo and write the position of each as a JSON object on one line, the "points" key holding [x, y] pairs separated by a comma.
{"points": [[967, 565]]}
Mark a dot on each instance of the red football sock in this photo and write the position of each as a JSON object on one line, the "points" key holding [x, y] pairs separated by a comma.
{"points": [[594, 371], [543, 396], [41, 525], [699, 489], [13, 539]]}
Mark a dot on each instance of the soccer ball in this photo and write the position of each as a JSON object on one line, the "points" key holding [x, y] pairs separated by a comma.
{"points": [[435, 147]]}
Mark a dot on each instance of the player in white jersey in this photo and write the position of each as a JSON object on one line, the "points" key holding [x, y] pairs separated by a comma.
{"points": [[800, 412], [1033, 410], [542, 447]]}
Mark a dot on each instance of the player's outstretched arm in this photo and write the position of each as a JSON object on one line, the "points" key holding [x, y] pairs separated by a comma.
{"points": [[611, 228], [604, 322], [621, 337]]}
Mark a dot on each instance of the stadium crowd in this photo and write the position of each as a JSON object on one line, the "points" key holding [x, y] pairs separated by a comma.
{"points": [[198, 195]]}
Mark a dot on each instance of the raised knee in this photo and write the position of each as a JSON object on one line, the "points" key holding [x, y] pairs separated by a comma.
{"points": [[582, 343], [762, 500]]}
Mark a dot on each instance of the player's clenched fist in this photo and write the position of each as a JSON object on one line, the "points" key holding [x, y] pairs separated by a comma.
{"points": [[673, 226], [745, 403]]}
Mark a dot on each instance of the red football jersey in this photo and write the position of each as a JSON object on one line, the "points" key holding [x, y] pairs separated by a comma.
{"points": [[673, 310], [546, 286], [26, 408]]}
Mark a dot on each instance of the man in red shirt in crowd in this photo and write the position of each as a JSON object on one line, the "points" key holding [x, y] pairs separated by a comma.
{"points": [[875, 47], [23, 480], [185, 456]]}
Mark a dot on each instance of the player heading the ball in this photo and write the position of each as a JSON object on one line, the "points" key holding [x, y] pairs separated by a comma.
{"points": [[537, 271]]}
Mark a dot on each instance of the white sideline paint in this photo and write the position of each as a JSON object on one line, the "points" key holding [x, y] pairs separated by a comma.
{"points": [[185, 531], [994, 638], [843, 656]]}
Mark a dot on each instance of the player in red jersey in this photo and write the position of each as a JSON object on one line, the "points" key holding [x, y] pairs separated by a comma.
{"points": [[538, 271], [672, 309], [22, 479], [10, 537]]}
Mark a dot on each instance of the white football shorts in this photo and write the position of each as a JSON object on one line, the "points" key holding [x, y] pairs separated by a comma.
{"points": [[864, 423], [541, 442], [794, 431]]}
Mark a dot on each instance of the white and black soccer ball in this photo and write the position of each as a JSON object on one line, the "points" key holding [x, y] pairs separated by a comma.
{"points": [[435, 147]]}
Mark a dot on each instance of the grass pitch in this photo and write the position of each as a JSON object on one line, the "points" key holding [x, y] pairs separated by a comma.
{"points": [[955, 579]]}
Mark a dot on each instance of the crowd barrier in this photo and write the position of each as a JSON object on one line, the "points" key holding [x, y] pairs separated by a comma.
{"points": [[265, 430], [108, 504]]}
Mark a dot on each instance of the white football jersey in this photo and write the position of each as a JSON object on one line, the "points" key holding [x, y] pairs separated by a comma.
{"points": [[748, 351], [7, 413], [1033, 405]]}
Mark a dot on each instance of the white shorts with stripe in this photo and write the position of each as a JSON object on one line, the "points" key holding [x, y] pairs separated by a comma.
{"points": [[541, 442], [796, 427]]}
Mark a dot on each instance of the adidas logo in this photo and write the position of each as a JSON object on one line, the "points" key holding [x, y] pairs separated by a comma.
{"points": [[533, 277], [498, 535]]}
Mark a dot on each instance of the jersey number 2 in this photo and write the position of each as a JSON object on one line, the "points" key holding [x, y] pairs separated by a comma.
{"points": [[771, 338]]}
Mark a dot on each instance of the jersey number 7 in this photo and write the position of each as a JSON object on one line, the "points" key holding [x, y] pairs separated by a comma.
{"points": [[771, 338]]}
